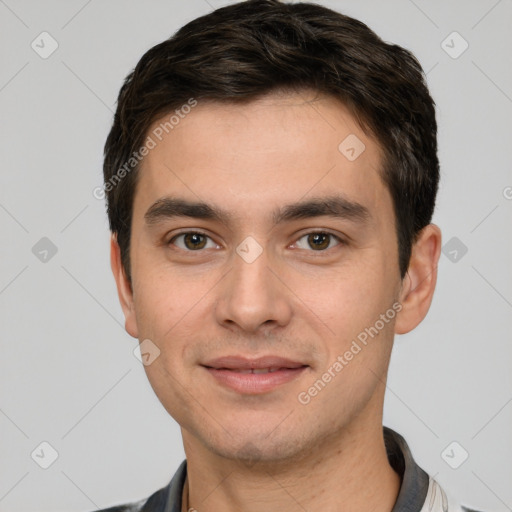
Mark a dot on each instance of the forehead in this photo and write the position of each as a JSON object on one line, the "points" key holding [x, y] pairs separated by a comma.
{"points": [[257, 155]]}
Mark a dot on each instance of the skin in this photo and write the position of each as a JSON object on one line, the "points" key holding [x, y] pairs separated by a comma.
{"points": [[268, 451]]}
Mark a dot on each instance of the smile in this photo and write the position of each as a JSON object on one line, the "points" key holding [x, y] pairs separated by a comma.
{"points": [[254, 376]]}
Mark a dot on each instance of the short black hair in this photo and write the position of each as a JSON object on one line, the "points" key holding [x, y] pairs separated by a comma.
{"points": [[243, 51]]}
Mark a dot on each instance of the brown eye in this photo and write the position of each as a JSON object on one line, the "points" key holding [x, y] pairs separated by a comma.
{"points": [[192, 241], [317, 241]]}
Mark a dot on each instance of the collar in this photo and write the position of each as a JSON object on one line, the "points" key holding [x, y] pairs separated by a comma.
{"points": [[418, 492], [415, 482]]}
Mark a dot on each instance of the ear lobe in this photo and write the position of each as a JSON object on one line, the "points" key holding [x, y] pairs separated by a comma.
{"points": [[420, 281], [124, 289]]}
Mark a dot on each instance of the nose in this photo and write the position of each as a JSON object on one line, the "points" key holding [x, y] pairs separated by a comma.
{"points": [[251, 298]]}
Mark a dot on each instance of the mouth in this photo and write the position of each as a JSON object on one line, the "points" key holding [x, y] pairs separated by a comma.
{"points": [[254, 370], [254, 376]]}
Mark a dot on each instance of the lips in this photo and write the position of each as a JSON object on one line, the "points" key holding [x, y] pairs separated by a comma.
{"points": [[260, 365], [254, 376], [254, 370]]}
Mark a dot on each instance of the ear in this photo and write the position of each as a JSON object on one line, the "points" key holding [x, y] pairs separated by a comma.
{"points": [[420, 280], [124, 289]]}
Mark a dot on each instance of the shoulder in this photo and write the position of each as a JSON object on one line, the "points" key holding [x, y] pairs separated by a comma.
{"points": [[438, 500], [166, 498]]}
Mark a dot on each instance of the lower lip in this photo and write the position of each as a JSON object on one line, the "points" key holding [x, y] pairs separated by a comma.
{"points": [[255, 383]]}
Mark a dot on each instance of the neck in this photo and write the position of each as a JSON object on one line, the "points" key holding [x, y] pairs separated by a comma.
{"points": [[350, 472]]}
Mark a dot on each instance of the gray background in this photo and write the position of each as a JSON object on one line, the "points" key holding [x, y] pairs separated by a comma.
{"points": [[68, 373]]}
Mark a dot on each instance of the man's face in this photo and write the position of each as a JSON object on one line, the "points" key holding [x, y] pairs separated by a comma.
{"points": [[214, 305]]}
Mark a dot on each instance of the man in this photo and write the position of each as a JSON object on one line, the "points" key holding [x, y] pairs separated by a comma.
{"points": [[271, 176]]}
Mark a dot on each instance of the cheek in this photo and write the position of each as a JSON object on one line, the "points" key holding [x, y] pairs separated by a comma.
{"points": [[348, 299], [162, 298], [171, 388], [352, 309], [173, 309]]}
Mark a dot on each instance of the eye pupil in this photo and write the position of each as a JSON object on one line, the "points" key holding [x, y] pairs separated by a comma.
{"points": [[194, 241], [318, 240]]}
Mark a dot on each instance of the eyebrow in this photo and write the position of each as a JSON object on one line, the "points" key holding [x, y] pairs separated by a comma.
{"points": [[332, 206]]}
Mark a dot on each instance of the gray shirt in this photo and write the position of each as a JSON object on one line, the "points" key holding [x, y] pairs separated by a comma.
{"points": [[418, 491]]}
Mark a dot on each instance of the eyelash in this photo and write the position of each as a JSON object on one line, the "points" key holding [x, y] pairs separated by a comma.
{"points": [[322, 232]]}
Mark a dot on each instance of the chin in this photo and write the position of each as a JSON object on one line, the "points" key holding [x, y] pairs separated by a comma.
{"points": [[253, 454], [258, 448]]}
